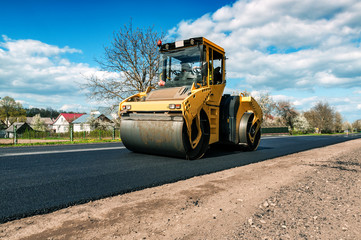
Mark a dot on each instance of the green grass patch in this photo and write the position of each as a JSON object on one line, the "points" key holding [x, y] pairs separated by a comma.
{"points": [[317, 134], [82, 141]]}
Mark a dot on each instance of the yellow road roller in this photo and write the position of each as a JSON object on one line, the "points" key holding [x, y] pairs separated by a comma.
{"points": [[187, 111]]}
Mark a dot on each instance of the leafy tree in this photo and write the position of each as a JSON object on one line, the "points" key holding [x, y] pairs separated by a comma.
{"points": [[357, 125], [11, 111], [347, 126], [287, 112], [321, 116], [301, 124], [48, 112], [267, 105], [133, 55], [38, 124], [98, 123], [338, 122]]}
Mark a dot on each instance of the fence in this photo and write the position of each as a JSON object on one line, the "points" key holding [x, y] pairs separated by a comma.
{"points": [[30, 136], [274, 130]]}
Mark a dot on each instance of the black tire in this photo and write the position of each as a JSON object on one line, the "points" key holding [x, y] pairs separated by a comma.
{"points": [[202, 147], [245, 130], [253, 146]]}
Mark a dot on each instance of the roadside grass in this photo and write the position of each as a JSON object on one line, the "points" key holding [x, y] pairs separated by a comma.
{"points": [[68, 142], [317, 134], [305, 134]]}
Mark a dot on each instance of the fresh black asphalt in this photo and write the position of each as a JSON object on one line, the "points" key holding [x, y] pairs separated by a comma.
{"points": [[41, 179]]}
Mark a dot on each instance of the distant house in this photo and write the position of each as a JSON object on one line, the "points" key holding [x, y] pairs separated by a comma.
{"points": [[2, 129], [61, 123], [47, 121], [109, 112], [21, 127], [83, 123]]}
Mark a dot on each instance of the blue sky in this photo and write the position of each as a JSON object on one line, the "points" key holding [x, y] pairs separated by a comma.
{"points": [[89, 25], [302, 51]]}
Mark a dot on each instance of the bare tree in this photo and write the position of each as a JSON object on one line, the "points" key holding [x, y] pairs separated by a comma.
{"points": [[133, 55], [287, 112], [321, 116]]}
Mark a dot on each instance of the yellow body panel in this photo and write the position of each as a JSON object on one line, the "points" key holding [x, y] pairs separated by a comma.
{"points": [[155, 106], [213, 118], [211, 44]]}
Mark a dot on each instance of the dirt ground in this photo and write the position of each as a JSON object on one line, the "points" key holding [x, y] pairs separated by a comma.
{"points": [[11, 141], [308, 195]]}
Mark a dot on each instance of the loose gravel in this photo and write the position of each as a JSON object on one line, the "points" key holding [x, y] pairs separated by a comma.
{"points": [[324, 205]]}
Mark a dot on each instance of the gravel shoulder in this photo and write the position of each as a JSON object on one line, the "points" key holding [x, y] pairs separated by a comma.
{"points": [[309, 195]]}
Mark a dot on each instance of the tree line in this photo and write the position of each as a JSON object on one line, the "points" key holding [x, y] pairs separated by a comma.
{"points": [[12, 111], [321, 118], [44, 112]]}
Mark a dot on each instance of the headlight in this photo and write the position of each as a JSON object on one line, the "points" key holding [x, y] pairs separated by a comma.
{"points": [[126, 107], [175, 106]]}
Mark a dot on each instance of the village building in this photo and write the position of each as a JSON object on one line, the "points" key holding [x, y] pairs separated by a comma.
{"points": [[21, 127], [61, 123], [86, 122]]}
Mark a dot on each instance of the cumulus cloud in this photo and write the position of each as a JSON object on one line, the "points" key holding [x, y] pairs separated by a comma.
{"points": [[286, 44], [39, 73], [72, 107], [29, 47], [282, 45]]}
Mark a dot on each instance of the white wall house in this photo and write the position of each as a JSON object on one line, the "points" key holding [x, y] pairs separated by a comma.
{"points": [[61, 123], [82, 124]]}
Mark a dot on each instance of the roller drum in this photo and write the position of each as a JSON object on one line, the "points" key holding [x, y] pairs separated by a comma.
{"points": [[154, 134]]}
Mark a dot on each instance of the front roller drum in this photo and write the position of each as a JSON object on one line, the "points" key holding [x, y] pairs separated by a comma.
{"points": [[161, 137]]}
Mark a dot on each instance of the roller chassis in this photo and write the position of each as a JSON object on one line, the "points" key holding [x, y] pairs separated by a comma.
{"points": [[151, 124]]}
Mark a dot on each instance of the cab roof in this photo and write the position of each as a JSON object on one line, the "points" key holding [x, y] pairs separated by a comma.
{"points": [[188, 43]]}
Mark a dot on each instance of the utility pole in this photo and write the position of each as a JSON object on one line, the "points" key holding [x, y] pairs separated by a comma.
{"points": [[15, 137]]}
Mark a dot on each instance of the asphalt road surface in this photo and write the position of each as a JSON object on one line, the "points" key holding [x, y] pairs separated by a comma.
{"points": [[41, 179]]}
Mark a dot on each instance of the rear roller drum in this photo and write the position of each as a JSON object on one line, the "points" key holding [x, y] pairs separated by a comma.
{"points": [[249, 135]]}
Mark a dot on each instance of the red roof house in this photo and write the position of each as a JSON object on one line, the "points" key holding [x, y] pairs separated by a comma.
{"points": [[61, 123]]}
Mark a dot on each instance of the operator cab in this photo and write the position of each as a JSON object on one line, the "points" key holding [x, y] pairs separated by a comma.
{"points": [[191, 61]]}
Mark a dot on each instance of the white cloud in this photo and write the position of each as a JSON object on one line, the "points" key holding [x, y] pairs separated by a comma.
{"points": [[76, 107], [29, 47], [39, 74], [304, 102], [286, 45]]}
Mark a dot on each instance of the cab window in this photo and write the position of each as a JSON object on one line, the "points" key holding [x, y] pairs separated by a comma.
{"points": [[215, 66]]}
